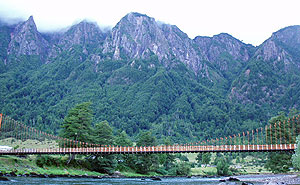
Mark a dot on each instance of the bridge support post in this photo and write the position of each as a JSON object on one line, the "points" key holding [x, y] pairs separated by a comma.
{"points": [[1, 115]]}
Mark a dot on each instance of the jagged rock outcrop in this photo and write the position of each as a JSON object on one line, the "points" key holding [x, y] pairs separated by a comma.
{"points": [[282, 46], [26, 40], [85, 35], [225, 52], [273, 71], [139, 36], [135, 36], [214, 46]]}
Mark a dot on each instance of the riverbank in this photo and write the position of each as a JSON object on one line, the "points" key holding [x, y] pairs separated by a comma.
{"points": [[281, 179], [272, 178], [17, 166]]}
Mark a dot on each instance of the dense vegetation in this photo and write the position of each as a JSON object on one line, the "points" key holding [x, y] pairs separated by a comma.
{"points": [[130, 97], [79, 118], [135, 95], [77, 126]]}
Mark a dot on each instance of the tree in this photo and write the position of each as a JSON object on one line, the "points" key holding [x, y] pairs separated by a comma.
{"points": [[167, 160], [203, 158], [279, 162], [296, 156], [103, 136], [124, 161], [206, 158], [122, 139], [199, 159], [222, 166], [146, 162], [183, 168], [77, 124]]}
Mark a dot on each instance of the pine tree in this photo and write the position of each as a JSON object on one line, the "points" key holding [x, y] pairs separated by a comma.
{"points": [[125, 161], [77, 124], [103, 136], [146, 162]]}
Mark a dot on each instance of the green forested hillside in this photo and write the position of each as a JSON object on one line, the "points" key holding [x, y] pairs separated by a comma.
{"points": [[186, 89], [128, 94]]}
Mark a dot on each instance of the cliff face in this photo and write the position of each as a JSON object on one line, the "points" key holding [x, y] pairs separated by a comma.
{"points": [[147, 75], [245, 73], [26, 40], [139, 36], [135, 36], [84, 35], [273, 70]]}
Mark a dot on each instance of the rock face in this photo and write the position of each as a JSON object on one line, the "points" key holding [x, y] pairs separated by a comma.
{"points": [[227, 54], [84, 35], [213, 47], [135, 36], [268, 76], [282, 46], [139, 36], [26, 40], [245, 73]]}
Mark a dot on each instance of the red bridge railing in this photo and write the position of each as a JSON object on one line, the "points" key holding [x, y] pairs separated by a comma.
{"points": [[280, 136]]}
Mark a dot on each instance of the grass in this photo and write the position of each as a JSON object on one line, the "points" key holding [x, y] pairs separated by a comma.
{"points": [[249, 165], [29, 143], [204, 171], [28, 165]]}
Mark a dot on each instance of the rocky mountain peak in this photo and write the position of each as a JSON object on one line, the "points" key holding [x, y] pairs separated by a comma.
{"points": [[282, 46], [222, 43], [81, 34], [84, 34], [26, 40], [289, 36], [135, 36]]}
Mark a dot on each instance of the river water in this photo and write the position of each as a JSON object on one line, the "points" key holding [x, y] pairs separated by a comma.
{"points": [[123, 181]]}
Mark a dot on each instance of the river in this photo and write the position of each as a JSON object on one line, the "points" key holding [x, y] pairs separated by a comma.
{"points": [[126, 181]]}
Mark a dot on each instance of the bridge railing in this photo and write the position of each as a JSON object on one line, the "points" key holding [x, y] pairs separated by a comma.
{"points": [[274, 137]]}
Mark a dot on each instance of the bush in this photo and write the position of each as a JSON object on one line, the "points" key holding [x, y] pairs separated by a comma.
{"points": [[161, 171], [46, 160], [222, 167], [181, 169], [184, 158]]}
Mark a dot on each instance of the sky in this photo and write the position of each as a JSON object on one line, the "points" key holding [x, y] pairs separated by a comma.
{"points": [[251, 21]]}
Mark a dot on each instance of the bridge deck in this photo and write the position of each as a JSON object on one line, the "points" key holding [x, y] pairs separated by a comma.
{"points": [[154, 149]]}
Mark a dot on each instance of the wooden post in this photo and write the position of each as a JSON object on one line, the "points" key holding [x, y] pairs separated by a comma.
{"points": [[271, 135], [1, 115]]}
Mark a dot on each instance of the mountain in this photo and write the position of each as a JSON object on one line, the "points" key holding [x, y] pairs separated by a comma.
{"points": [[147, 75], [83, 37], [272, 74], [26, 40], [139, 36]]}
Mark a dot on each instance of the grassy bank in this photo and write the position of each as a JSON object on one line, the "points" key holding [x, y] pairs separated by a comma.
{"points": [[27, 165]]}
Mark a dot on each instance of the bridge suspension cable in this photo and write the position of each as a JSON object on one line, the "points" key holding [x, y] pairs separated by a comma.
{"points": [[280, 136]]}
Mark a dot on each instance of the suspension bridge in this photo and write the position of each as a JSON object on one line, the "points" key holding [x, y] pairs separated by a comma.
{"points": [[280, 136]]}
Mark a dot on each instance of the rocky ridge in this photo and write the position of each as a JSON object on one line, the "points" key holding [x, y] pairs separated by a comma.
{"points": [[26, 40], [240, 68]]}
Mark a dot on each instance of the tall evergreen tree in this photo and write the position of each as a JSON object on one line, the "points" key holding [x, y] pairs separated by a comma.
{"points": [[125, 161], [103, 133], [77, 125], [146, 162], [103, 136], [278, 162]]}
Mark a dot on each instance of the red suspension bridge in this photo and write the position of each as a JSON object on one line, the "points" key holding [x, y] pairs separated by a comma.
{"points": [[279, 136]]}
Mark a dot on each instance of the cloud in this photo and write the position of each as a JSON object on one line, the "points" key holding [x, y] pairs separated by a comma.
{"points": [[251, 21]]}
